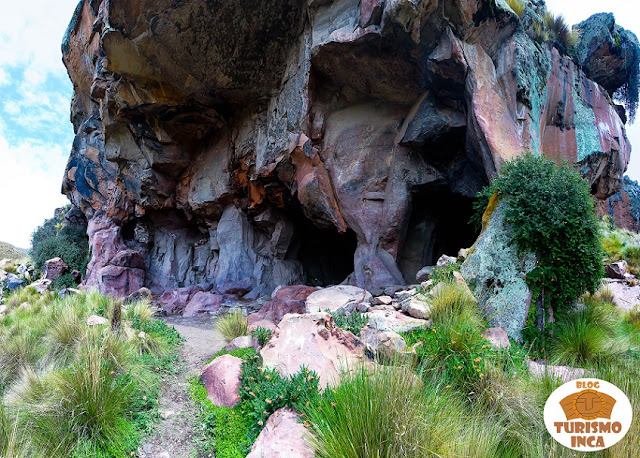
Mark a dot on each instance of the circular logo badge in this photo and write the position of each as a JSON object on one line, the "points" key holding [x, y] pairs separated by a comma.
{"points": [[588, 414]]}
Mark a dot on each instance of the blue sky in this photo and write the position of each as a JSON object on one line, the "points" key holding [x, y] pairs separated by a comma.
{"points": [[35, 93]]}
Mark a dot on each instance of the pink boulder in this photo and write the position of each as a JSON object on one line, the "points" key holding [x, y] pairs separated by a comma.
{"points": [[174, 301], [54, 268], [283, 436], [221, 378], [285, 299], [203, 302], [497, 337], [313, 340]]}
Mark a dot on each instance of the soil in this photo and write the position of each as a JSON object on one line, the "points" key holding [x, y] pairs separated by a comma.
{"points": [[174, 434]]}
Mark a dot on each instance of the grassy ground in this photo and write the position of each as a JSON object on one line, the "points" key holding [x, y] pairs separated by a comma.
{"points": [[72, 390]]}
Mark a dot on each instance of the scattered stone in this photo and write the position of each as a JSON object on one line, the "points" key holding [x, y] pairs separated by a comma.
{"points": [[54, 268], [616, 270], [313, 340], [336, 297], [285, 299], [383, 344], [463, 253], [283, 436], [625, 296], [24, 305], [77, 276], [40, 285], [143, 294], [426, 285], [174, 301], [95, 320], [241, 342], [424, 274], [381, 300], [461, 281], [564, 373], [167, 414], [13, 282], [203, 302], [3, 309], [378, 322], [498, 337], [416, 307], [405, 294], [444, 260], [221, 378], [68, 292]]}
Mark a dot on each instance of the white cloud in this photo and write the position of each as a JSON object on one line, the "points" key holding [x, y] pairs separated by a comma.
{"points": [[29, 193], [11, 107]]}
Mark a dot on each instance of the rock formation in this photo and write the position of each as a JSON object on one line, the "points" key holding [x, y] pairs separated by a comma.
{"points": [[239, 146], [624, 206]]}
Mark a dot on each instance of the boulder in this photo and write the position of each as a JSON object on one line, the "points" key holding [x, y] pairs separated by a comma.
{"points": [[498, 272], [381, 300], [143, 294], [497, 337], [173, 302], [54, 268], [395, 321], [68, 292], [241, 342], [285, 299], [336, 297], [203, 302], [283, 436], [41, 286], [95, 320], [564, 373], [384, 344], [616, 270], [626, 297], [444, 260], [313, 340], [13, 282], [417, 307], [221, 378], [424, 274]]}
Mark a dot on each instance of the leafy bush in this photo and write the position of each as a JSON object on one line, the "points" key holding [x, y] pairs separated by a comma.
{"points": [[70, 243], [518, 6], [232, 325], [551, 212], [444, 273], [262, 335], [352, 322]]}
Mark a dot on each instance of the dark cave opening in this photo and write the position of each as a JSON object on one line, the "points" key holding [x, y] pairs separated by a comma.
{"points": [[326, 255], [439, 224]]}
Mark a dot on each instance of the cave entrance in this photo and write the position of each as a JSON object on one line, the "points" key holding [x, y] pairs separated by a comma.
{"points": [[439, 224], [325, 254]]}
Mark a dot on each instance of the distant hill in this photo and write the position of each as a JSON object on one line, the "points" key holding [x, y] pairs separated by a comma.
{"points": [[8, 251]]}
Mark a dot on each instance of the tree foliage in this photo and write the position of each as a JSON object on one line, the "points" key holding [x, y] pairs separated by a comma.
{"points": [[552, 214]]}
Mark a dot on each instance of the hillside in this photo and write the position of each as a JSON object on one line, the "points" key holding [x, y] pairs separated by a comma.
{"points": [[8, 251]]}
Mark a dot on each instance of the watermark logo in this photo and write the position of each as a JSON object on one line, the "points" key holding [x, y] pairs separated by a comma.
{"points": [[588, 414]]}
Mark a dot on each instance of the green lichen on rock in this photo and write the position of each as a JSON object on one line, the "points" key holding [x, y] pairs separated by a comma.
{"points": [[584, 120], [533, 65], [498, 273]]}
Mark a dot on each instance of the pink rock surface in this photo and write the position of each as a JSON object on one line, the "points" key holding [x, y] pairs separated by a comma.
{"points": [[283, 436], [120, 281], [174, 301], [313, 340], [203, 302], [498, 337], [221, 378], [54, 268], [334, 297]]}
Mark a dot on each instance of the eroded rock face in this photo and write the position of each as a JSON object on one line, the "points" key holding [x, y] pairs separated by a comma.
{"points": [[284, 142], [283, 435], [624, 206]]}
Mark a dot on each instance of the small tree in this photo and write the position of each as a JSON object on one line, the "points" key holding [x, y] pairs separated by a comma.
{"points": [[552, 214]]}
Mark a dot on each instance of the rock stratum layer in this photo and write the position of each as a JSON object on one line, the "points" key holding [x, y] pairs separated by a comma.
{"points": [[246, 145]]}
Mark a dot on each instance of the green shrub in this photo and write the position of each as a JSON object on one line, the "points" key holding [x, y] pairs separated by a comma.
{"points": [[262, 335], [352, 322], [444, 273], [450, 301], [551, 212], [232, 325], [587, 335], [51, 240]]}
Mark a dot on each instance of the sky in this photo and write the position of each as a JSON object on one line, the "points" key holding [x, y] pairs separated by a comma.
{"points": [[35, 95]]}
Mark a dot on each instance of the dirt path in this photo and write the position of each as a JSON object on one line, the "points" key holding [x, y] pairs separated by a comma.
{"points": [[174, 433]]}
